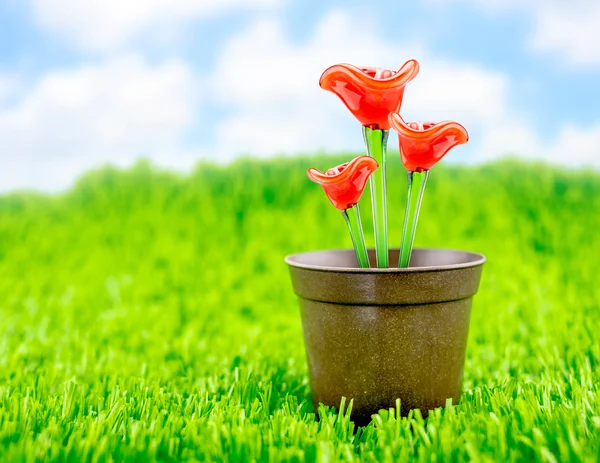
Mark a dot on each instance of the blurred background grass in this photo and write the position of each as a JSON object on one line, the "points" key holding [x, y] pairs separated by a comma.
{"points": [[149, 316]]}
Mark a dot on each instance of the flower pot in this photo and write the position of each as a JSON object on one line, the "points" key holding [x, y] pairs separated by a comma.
{"points": [[377, 335]]}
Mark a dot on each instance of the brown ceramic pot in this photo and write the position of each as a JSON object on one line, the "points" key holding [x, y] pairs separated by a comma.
{"points": [[377, 335]]}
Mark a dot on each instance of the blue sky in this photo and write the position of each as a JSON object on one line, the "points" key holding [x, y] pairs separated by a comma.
{"points": [[107, 81]]}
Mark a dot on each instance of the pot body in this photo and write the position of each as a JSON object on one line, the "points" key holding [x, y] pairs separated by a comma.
{"points": [[377, 335]]}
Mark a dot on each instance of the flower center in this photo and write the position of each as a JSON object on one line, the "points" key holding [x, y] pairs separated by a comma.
{"points": [[336, 170], [378, 73], [421, 126]]}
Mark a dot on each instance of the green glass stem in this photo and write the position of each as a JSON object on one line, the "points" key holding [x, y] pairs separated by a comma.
{"points": [[416, 186], [352, 216], [376, 142]]}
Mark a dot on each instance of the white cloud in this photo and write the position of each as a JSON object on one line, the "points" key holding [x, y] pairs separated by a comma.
{"points": [[575, 145], [570, 28], [454, 90], [272, 85], [75, 119], [567, 27], [8, 86], [489, 5], [122, 108], [109, 24], [572, 146]]}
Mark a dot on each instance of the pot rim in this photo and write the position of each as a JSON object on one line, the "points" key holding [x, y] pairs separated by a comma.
{"points": [[479, 259]]}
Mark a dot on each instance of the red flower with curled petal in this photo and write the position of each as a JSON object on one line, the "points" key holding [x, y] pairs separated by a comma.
{"points": [[371, 94], [423, 144], [344, 184]]}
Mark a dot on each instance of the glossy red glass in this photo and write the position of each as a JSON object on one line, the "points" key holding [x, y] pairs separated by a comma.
{"points": [[371, 94], [345, 183], [423, 144]]}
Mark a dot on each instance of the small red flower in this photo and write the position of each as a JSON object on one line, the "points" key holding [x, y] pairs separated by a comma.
{"points": [[371, 94], [423, 144], [344, 184]]}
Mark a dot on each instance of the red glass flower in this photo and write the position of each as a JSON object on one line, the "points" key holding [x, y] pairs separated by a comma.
{"points": [[344, 184], [423, 144], [371, 94]]}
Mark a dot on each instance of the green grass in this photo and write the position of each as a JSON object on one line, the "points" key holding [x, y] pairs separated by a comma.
{"points": [[145, 316]]}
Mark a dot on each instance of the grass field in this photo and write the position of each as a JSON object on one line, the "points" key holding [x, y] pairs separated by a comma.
{"points": [[145, 316]]}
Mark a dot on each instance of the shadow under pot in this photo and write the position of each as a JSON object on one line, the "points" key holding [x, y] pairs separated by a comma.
{"points": [[377, 335]]}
